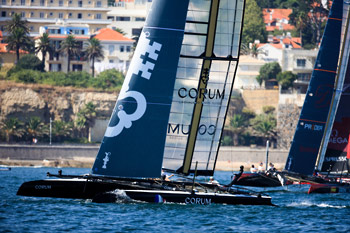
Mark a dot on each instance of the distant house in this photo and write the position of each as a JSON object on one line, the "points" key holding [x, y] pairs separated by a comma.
{"points": [[277, 19], [117, 50]]}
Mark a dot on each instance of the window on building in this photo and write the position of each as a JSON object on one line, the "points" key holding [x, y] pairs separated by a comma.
{"points": [[77, 67], [55, 67], [60, 3], [304, 77], [128, 48], [41, 14], [110, 17], [121, 18], [70, 2], [60, 15], [111, 61], [80, 15], [98, 4], [3, 13], [32, 14], [140, 18], [98, 16], [23, 14], [111, 48], [42, 2], [23, 2], [3, 2], [70, 15], [51, 14], [122, 48], [80, 3], [301, 62], [31, 28], [51, 1], [33, 1]]}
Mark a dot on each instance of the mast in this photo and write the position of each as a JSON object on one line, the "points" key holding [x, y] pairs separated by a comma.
{"points": [[339, 83]]}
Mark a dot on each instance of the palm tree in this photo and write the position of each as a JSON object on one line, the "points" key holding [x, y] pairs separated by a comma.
{"points": [[93, 51], [12, 127], [264, 125], [70, 46], [237, 126], [17, 22], [18, 39], [60, 130], [44, 46], [35, 127], [86, 118]]}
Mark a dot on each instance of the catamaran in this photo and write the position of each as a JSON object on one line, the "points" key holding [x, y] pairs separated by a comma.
{"points": [[170, 112], [319, 147]]}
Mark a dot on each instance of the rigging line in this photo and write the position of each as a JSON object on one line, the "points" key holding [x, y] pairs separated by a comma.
{"points": [[168, 29], [322, 122]]}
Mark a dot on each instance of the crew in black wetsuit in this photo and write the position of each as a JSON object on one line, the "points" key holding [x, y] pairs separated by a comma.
{"points": [[237, 176]]}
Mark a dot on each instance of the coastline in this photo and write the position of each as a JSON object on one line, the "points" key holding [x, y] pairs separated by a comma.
{"points": [[83, 156]]}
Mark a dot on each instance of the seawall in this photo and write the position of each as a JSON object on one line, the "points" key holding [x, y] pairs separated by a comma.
{"points": [[230, 158]]}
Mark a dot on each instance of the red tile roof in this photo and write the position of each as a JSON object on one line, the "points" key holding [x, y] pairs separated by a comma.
{"points": [[110, 34], [3, 49], [274, 16]]}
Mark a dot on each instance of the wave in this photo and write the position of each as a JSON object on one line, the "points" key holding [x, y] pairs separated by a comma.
{"points": [[312, 204]]}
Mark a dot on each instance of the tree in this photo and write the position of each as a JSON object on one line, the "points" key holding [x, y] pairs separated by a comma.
{"points": [[31, 62], [18, 39], [254, 26], [120, 31], [264, 125], [237, 126], [108, 80], [15, 23], [93, 51], [61, 130], [286, 79], [252, 50], [86, 118], [35, 128], [44, 46], [268, 71], [70, 47], [12, 127]]}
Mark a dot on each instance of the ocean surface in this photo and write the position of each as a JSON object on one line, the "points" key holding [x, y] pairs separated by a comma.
{"points": [[296, 211]]}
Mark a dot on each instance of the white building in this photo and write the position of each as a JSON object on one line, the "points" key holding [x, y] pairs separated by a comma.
{"points": [[129, 16], [248, 69], [117, 49], [39, 13]]}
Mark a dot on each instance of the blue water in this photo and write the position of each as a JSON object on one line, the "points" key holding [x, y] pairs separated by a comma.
{"points": [[296, 211]]}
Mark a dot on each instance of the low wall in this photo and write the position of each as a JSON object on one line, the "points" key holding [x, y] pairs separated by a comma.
{"points": [[230, 158]]}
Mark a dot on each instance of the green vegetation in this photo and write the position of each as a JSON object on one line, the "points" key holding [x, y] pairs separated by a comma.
{"points": [[14, 130], [254, 26], [268, 71], [248, 128]]}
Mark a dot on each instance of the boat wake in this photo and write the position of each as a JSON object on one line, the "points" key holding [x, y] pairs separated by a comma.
{"points": [[311, 204], [116, 196]]}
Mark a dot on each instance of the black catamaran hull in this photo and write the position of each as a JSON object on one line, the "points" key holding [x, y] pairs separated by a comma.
{"points": [[258, 180], [102, 191]]}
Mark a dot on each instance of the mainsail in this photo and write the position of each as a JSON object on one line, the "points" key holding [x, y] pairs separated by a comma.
{"points": [[176, 93], [204, 80], [314, 114], [336, 150], [133, 145]]}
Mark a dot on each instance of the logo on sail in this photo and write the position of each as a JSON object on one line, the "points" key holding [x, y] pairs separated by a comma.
{"points": [[106, 159], [141, 66]]}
